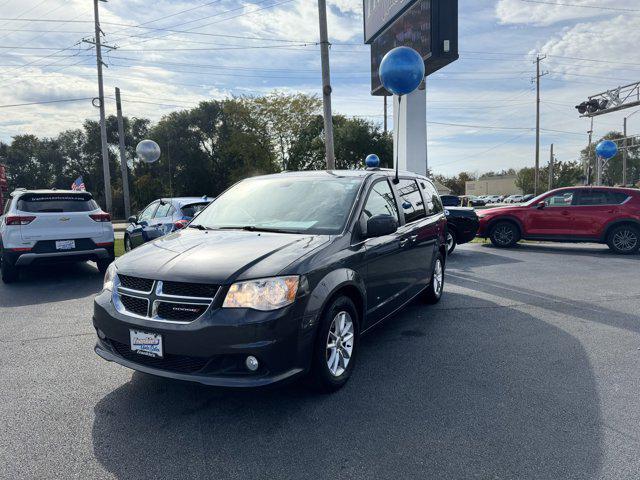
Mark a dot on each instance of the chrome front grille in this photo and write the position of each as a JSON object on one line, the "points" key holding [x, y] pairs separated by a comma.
{"points": [[173, 302]]}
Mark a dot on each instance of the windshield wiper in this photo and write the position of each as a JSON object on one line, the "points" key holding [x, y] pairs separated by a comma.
{"points": [[200, 227], [253, 228]]}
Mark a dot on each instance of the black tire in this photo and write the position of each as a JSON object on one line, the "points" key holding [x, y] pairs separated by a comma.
{"points": [[10, 272], [127, 244], [433, 293], [452, 241], [321, 377], [104, 264], [504, 234], [624, 239]]}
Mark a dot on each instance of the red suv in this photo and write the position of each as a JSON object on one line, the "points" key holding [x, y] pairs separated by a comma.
{"points": [[574, 214]]}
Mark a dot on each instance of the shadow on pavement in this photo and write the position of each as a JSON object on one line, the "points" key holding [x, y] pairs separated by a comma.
{"points": [[436, 394], [591, 312], [52, 283], [576, 249]]}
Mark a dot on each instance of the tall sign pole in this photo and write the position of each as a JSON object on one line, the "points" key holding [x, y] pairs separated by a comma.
{"points": [[103, 124], [123, 158], [326, 86]]}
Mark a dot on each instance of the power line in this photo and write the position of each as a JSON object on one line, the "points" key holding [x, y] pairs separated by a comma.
{"points": [[46, 102]]}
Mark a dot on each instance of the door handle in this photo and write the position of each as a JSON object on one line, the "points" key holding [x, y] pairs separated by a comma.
{"points": [[404, 242], [565, 212]]}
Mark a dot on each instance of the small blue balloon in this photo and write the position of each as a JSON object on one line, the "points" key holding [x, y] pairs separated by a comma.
{"points": [[372, 161], [607, 149], [402, 70]]}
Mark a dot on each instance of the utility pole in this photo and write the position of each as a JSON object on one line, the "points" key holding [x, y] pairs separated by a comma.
{"points": [[326, 86], [103, 123], [551, 160], [587, 171], [386, 124], [123, 158], [624, 155], [539, 75]]}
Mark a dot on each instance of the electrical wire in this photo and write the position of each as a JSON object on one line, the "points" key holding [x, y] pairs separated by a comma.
{"points": [[47, 102], [577, 5]]}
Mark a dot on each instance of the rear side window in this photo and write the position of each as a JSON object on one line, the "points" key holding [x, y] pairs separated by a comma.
{"points": [[411, 200], [431, 197], [7, 206], [56, 203], [191, 210], [601, 197]]}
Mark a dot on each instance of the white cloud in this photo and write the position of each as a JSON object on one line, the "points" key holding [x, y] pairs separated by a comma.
{"points": [[520, 12]]}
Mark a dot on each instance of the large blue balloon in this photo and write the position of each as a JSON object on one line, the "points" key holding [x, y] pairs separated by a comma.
{"points": [[402, 70], [607, 149], [372, 161]]}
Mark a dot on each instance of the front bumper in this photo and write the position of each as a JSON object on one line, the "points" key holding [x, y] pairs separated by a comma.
{"points": [[212, 349]]}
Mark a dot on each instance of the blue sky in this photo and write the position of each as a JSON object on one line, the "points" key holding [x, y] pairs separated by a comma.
{"points": [[481, 109]]}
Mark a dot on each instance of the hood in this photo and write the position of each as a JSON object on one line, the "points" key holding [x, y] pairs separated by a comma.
{"points": [[506, 209], [217, 256]]}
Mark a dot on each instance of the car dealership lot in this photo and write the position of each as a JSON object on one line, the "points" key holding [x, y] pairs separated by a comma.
{"points": [[528, 368]]}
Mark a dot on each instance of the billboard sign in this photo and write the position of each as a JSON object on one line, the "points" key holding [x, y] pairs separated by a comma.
{"points": [[379, 14], [430, 27]]}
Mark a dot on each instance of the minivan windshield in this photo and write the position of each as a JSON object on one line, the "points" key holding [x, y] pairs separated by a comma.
{"points": [[291, 204]]}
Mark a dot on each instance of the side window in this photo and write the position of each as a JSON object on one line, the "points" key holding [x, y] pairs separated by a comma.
{"points": [[411, 200], [430, 194], [617, 198], [163, 210], [593, 197], [148, 212], [380, 202], [7, 205], [560, 199]]}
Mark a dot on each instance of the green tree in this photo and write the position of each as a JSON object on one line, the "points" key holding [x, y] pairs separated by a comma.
{"points": [[285, 116], [354, 139], [457, 184]]}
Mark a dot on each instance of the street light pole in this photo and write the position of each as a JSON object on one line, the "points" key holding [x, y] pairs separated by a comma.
{"points": [[624, 155], [326, 86]]}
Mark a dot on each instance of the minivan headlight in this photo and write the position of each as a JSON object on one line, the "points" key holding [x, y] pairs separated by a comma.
{"points": [[109, 276], [263, 294]]}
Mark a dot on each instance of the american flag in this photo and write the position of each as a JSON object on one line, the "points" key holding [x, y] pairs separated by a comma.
{"points": [[78, 185]]}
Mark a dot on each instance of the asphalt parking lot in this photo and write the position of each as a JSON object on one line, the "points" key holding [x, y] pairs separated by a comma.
{"points": [[528, 368]]}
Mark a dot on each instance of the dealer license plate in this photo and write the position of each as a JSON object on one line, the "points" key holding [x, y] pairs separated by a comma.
{"points": [[65, 244], [143, 343]]}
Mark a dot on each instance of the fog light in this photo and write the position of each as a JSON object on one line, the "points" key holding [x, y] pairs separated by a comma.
{"points": [[251, 363], [101, 334]]}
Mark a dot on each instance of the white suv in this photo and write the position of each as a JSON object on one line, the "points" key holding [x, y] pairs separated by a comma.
{"points": [[46, 226]]}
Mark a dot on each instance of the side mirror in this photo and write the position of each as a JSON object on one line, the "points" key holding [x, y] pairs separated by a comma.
{"points": [[180, 224], [132, 219], [381, 225], [541, 205]]}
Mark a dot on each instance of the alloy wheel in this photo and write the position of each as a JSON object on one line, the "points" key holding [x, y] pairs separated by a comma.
{"points": [[504, 234], [340, 343], [438, 278], [625, 240], [449, 241]]}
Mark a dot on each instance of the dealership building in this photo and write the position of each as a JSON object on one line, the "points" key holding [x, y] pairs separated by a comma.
{"points": [[502, 185]]}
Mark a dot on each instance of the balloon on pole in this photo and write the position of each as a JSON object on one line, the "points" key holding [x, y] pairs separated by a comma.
{"points": [[607, 149], [401, 73], [402, 70], [148, 151], [372, 161]]}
